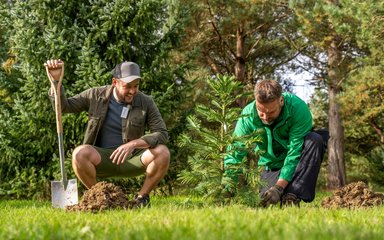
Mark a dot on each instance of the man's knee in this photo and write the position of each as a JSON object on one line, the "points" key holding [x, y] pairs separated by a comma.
{"points": [[313, 151], [83, 154], [160, 155], [160, 151], [314, 139], [163, 154]]}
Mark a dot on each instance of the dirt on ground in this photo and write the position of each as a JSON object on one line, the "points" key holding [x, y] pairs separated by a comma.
{"points": [[356, 194], [102, 196]]}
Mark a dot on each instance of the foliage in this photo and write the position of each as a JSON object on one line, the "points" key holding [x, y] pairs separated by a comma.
{"points": [[368, 168], [91, 37], [250, 35], [210, 133], [363, 99], [376, 160], [363, 108], [319, 109], [323, 23], [28, 183]]}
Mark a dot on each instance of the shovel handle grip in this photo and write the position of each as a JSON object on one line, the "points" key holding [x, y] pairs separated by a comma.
{"points": [[56, 88]]}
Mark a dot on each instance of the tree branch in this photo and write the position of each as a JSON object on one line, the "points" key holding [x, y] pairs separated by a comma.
{"points": [[377, 130]]}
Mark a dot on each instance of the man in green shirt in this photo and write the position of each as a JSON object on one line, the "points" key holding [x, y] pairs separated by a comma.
{"points": [[290, 152], [116, 143]]}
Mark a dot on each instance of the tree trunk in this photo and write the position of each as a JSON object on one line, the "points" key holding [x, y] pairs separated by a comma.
{"points": [[336, 163], [240, 58], [240, 62]]}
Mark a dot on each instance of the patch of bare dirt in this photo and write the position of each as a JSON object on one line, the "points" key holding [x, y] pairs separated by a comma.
{"points": [[102, 196], [356, 194]]}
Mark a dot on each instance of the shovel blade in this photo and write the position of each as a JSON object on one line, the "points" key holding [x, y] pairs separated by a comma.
{"points": [[62, 197]]}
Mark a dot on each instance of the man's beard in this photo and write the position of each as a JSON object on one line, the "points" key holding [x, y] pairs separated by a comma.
{"points": [[121, 98], [268, 123]]}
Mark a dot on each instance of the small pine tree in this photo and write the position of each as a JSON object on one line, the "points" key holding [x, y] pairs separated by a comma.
{"points": [[210, 132]]}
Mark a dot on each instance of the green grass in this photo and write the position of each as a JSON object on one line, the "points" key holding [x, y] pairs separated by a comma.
{"points": [[188, 218]]}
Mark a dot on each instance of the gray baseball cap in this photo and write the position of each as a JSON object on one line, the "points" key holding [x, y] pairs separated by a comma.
{"points": [[127, 71]]}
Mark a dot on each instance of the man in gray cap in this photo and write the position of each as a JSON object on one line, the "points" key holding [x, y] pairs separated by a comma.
{"points": [[115, 143]]}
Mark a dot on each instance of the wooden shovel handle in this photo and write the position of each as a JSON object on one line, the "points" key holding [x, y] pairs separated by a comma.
{"points": [[56, 87]]}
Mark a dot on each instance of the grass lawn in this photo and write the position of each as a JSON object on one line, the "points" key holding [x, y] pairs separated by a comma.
{"points": [[180, 217]]}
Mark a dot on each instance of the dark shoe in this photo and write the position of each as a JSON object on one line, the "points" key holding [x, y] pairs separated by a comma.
{"points": [[141, 201], [289, 200]]}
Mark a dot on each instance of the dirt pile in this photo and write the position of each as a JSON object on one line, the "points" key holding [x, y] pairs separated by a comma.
{"points": [[353, 195], [102, 196]]}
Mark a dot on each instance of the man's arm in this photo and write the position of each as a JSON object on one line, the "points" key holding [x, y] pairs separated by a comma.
{"points": [[158, 135], [77, 103], [158, 131], [301, 126], [235, 153]]}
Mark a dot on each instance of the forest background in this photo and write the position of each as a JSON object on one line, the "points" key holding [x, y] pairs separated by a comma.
{"points": [[182, 47]]}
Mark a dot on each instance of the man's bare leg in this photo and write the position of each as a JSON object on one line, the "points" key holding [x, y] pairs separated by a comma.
{"points": [[157, 162], [84, 161]]}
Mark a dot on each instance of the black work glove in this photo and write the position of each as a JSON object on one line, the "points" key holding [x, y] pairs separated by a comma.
{"points": [[227, 194], [272, 196]]}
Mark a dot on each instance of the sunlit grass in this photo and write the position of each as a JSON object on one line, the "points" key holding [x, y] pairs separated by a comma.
{"points": [[189, 218]]}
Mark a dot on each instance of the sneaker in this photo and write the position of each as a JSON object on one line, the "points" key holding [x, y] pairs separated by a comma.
{"points": [[141, 201], [289, 200]]}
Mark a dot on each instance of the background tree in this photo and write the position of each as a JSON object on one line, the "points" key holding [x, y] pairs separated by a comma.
{"points": [[363, 99], [91, 37], [362, 102], [331, 33], [247, 39]]}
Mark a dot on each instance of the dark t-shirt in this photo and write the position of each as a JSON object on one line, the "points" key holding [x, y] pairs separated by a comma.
{"points": [[110, 135]]}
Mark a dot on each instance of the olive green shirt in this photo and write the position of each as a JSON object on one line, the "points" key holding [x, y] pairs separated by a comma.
{"points": [[144, 115]]}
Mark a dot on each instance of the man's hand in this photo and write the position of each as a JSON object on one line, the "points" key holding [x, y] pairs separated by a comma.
{"points": [[272, 196], [55, 68], [121, 153], [226, 194], [124, 151]]}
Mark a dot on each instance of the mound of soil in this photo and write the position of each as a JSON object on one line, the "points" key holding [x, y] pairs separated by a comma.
{"points": [[353, 195], [102, 196]]}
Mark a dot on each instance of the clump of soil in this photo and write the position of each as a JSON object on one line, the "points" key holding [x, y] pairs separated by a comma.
{"points": [[353, 195], [102, 196]]}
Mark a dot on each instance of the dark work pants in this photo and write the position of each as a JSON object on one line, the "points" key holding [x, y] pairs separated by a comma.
{"points": [[304, 179]]}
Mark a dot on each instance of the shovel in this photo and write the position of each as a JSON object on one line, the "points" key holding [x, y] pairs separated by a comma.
{"points": [[64, 192]]}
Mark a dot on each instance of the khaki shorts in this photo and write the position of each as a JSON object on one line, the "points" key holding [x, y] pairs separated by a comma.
{"points": [[131, 167]]}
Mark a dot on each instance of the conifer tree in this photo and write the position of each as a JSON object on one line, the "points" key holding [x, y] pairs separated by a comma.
{"points": [[210, 134]]}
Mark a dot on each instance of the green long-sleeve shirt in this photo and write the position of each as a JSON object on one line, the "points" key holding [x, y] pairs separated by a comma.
{"points": [[282, 142]]}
